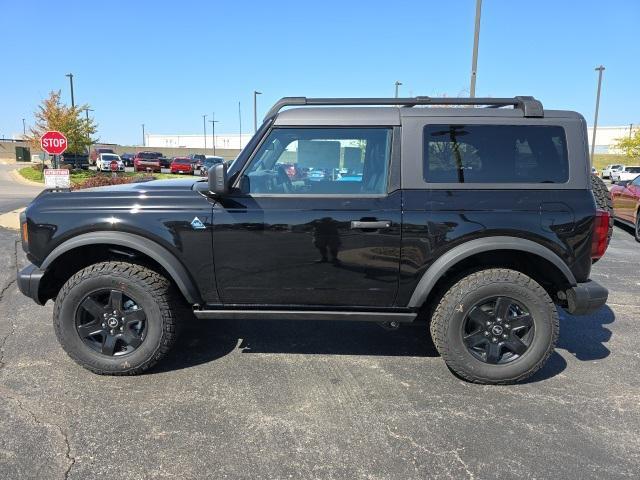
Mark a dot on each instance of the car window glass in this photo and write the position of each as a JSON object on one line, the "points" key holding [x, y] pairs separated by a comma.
{"points": [[320, 161], [495, 154]]}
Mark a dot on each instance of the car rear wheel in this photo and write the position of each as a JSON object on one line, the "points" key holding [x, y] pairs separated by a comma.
{"points": [[637, 230], [495, 326], [116, 318]]}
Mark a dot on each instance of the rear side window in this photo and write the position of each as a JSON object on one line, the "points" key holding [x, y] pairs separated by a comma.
{"points": [[495, 154]]}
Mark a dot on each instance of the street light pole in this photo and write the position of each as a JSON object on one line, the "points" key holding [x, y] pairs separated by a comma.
{"points": [[255, 110], [397, 84], [240, 123], [144, 143], [204, 124], [213, 130], [599, 69], [70, 75], [476, 40], [24, 128]]}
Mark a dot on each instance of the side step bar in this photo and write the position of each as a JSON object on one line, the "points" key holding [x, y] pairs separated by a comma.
{"points": [[305, 315]]}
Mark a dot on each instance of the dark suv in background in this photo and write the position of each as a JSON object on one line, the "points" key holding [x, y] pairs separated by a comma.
{"points": [[478, 222]]}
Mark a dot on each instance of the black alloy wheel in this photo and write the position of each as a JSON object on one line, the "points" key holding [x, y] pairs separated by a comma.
{"points": [[111, 322], [498, 330]]}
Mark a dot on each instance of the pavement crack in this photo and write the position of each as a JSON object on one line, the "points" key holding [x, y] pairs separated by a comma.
{"points": [[454, 452], [71, 460]]}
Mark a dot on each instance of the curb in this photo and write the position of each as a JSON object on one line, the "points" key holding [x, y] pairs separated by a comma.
{"points": [[20, 179], [11, 220]]}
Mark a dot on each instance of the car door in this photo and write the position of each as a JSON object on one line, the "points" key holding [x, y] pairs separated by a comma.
{"points": [[326, 232], [625, 201]]}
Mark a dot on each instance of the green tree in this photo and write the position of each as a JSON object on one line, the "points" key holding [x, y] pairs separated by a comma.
{"points": [[630, 145], [53, 115]]}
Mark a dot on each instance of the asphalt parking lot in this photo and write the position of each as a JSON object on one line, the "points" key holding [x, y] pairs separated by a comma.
{"points": [[322, 400]]}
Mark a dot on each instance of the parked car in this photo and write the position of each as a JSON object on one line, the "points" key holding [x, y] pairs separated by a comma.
{"points": [[182, 165], [96, 151], [625, 196], [75, 161], [148, 161], [209, 162], [626, 173], [104, 162], [606, 171], [127, 159], [447, 228]]}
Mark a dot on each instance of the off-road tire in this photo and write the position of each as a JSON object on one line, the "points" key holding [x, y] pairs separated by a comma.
{"points": [[449, 315], [161, 303], [603, 201]]}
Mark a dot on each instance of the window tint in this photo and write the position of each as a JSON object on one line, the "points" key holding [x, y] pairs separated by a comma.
{"points": [[495, 154], [321, 161]]}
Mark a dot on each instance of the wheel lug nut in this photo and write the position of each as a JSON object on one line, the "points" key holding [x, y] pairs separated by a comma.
{"points": [[104, 325], [504, 335], [114, 312], [112, 331], [494, 339], [488, 324], [486, 334], [506, 325], [121, 328], [105, 315]]}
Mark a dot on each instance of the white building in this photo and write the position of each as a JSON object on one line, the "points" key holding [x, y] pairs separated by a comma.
{"points": [[606, 137], [223, 140]]}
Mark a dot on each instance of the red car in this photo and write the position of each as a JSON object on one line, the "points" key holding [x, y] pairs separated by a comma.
{"points": [[182, 165], [625, 196]]}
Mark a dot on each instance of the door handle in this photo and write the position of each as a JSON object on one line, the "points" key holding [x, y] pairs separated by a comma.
{"points": [[373, 225]]}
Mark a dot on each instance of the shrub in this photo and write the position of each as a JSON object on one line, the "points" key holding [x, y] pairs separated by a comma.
{"points": [[105, 180], [38, 167]]}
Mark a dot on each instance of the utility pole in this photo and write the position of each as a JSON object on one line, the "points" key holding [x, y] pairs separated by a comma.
{"points": [[474, 59], [599, 69], [255, 110], [70, 75], [630, 130], [86, 111], [204, 124], [144, 143], [213, 130], [24, 128], [240, 122], [397, 84]]}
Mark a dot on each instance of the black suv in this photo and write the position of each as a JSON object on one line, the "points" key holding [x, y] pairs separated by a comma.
{"points": [[475, 221]]}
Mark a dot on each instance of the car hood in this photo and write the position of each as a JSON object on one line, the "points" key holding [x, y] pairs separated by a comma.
{"points": [[178, 184]]}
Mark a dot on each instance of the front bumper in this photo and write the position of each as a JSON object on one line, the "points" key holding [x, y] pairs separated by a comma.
{"points": [[28, 280], [586, 297]]}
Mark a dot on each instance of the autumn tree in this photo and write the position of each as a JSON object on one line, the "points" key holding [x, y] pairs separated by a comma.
{"points": [[630, 145], [53, 115]]}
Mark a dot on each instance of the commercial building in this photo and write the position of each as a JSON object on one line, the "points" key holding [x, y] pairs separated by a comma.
{"points": [[223, 141]]}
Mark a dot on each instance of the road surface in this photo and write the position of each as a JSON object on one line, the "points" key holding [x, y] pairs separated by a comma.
{"points": [[14, 194]]}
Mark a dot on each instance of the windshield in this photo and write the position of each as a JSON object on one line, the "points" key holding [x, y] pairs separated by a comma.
{"points": [[633, 169], [109, 157], [185, 161]]}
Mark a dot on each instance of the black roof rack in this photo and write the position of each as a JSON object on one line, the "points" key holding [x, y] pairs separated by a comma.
{"points": [[529, 105]]}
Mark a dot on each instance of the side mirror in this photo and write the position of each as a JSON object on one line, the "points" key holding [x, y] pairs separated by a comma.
{"points": [[218, 179]]}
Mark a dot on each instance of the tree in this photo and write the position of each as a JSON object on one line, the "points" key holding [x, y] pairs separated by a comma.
{"points": [[630, 145], [53, 115]]}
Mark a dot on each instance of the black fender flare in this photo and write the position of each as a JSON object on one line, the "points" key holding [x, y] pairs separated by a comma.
{"points": [[479, 245], [176, 270]]}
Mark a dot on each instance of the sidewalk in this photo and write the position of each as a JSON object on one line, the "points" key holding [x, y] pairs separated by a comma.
{"points": [[11, 220]]}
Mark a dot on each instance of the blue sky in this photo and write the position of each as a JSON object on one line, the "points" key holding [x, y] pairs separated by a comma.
{"points": [[166, 64]]}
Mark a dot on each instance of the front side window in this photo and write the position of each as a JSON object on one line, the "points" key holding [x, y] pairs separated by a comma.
{"points": [[495, 154], [321, 161]]}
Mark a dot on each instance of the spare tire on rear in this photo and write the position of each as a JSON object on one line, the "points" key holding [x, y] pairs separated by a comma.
{"points": [[603, 201]]}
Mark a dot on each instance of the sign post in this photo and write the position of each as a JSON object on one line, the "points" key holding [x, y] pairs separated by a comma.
{"points": [[55, 143]]}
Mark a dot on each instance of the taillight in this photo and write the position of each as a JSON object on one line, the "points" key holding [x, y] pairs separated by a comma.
{"points": [[599, 238]]}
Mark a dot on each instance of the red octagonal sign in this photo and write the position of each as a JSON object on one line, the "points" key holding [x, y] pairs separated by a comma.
{"points": [[54, 143]]}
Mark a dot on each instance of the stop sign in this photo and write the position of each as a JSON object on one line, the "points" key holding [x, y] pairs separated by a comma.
{"points": [[54, 143], [114, 166]]}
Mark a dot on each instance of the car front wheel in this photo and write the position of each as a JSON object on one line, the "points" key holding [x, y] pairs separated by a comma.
{"points": [[116, 318], [495, 326]]}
